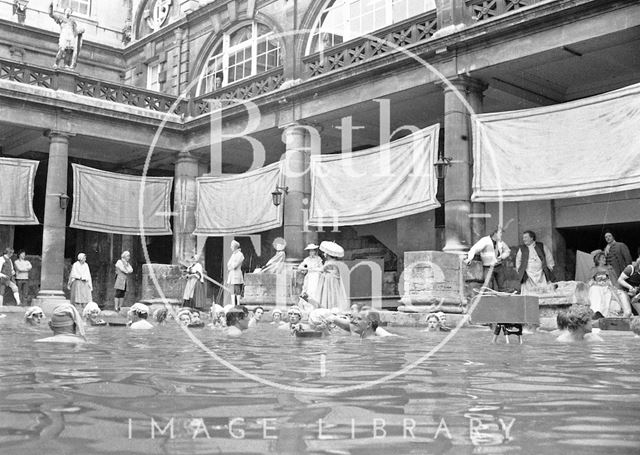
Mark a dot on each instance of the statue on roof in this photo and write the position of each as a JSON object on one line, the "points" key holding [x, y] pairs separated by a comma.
{"points": [[70, 39]]}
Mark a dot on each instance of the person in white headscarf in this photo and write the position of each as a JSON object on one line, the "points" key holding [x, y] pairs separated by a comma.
{"points": [[194, 295], [312, 265], [331, 291], [80, 282], [34, 315], [91, 313], [235, 278], [66, 324], [139, 314], [123, 271]]}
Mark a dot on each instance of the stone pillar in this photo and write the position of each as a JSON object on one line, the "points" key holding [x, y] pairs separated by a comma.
{"points": [[295, 176], [310, 233], [478, 209], [184, 206], [457, 146], [55, 218]]}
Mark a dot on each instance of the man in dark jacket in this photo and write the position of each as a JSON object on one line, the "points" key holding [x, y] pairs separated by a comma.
{"points": [[616, 253], [534, 263]]}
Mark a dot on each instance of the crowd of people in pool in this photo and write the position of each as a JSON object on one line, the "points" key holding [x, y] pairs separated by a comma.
{"points": [[324, 307]]}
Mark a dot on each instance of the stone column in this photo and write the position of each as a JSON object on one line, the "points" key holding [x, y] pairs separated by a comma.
{"points": [[295, 176], [478, 210], [55, 219], [457, 146], [310, 233], [184, 206]]}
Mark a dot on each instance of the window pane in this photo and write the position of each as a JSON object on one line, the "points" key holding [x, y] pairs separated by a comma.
{"points": [[240, 36]]}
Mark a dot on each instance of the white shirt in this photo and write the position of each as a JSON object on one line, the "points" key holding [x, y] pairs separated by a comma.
{"points": [[489, 255]]}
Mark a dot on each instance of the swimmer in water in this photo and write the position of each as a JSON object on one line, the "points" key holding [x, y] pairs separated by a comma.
{"points": [[139, 314], [256, 317], [91, 314], [366, 324], [66, 324], [184, 317], [433, 323], [196, 321], [237, 320], [34, 315], [579, 326]]}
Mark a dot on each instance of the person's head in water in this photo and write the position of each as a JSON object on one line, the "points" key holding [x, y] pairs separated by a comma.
{"points": [[138, 311], [184, 317], [34, 315], [634, 325], [433, 323], [238, 316], [66, 320], [276, 315], [295, 315], [257, 313], [562, 321], [366, 322], [579, 318]]}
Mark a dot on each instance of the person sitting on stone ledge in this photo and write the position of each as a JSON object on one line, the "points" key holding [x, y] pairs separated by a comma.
{"points": [[66, 325]]}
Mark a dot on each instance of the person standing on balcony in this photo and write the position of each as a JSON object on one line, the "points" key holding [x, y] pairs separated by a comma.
{"points": [[70, 39]]}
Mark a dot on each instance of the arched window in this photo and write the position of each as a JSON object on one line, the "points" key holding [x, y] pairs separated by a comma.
{"points": [[240, 54], [343, 20]]}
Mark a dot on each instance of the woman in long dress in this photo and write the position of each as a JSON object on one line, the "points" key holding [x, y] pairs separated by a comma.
{"points": [[313, 267], [194, 295], [331, 288], [604, 297], [80, 282], [123, 270]]}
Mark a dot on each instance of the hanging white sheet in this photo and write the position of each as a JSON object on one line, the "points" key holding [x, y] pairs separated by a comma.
{"points": [[238, 204], [17, 178], [580, 148], [109, 202], [377, 184]]}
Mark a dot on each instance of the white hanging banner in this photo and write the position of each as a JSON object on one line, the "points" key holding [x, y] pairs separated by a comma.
{"points": [[109, 202], [238, 204], [17, 177], [378, 184], [580, 148]]}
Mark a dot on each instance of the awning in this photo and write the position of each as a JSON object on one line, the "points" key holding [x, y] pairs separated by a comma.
{"points": [[378, 184], [108, 202], [16, 191], [238, 204], [580, 148]]}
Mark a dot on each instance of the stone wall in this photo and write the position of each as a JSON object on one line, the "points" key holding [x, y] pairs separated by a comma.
{"points": [[169, 279]]}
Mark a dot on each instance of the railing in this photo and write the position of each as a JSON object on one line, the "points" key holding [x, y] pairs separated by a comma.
{"points": [[18, 72], [480, 10], [259, 85], [414, 30], [109, 91], [124, 94]]}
